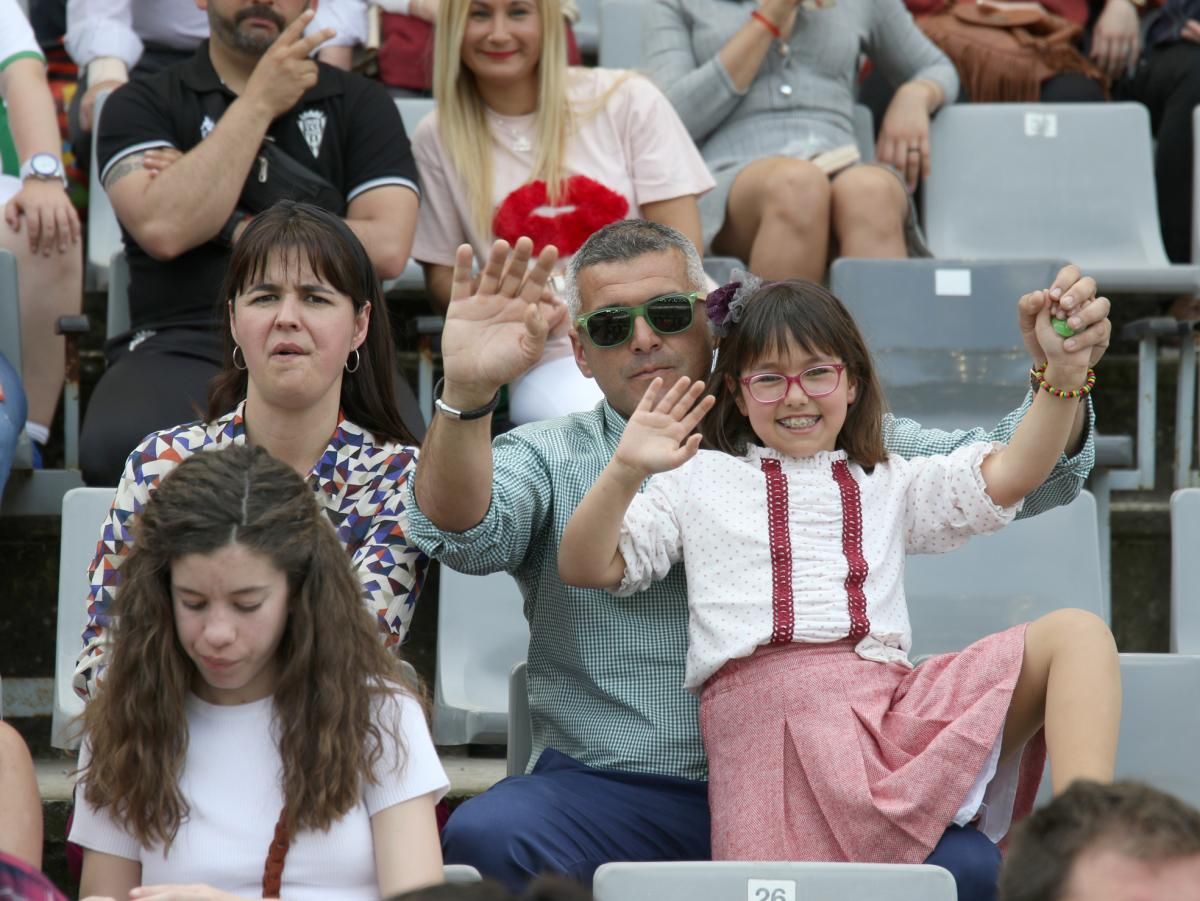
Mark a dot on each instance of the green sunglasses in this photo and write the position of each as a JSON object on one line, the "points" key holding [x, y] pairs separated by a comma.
{"points": [[668, 314]]}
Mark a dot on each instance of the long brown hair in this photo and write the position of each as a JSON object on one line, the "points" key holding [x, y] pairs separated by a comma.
{"points": [[333, 669], [368, 397], [816, 321]]}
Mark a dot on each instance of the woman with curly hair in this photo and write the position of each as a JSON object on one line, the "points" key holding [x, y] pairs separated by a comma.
{"points": [[252, 735], [521, 144]]}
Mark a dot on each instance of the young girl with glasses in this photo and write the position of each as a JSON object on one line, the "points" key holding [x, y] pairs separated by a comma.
{"points": [[824, 743]]}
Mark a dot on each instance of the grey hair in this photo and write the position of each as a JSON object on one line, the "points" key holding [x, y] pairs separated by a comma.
{"points": [[625, 240]]}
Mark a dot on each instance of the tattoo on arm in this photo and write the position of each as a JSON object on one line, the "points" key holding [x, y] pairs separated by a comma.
{"points": [[127, 164]]}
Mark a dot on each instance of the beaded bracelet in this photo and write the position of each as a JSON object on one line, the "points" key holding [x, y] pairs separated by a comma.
{"points": [[1038, 377], [766, 23]]}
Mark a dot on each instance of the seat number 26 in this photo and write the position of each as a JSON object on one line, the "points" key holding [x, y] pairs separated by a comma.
{"points": [[770, 890]]}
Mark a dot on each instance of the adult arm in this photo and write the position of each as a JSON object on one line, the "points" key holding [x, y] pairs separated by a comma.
{"points": [[704, 92], [491, 336], [51, 221], [189, 202], [926, 78], [384, 219], [681, 213]]}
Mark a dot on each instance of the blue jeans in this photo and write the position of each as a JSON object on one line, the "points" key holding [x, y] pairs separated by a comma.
{"points": [[12, 417], [568, 818]]}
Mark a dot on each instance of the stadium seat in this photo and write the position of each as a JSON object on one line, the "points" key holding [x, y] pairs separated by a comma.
{"points": [[1073, 181], [83, 511], [520, 727], [461, 872], [587, 30], [482, 634], [117, 320], [777, 881], [1160, 724], [29, 491], [103, 231], [1185, 571], [619, 30], [997, 581], [944, 334], [412, 111]]}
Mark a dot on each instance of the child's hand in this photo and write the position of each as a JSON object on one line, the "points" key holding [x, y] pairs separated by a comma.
{"points": [[1070, 363], [1075, 295], [659, 434]]}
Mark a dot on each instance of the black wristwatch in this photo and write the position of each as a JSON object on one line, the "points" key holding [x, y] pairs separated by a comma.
{"points": [[450, 413]]}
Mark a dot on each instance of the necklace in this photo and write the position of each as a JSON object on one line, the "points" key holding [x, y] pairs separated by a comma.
{"points": [[518, 139]]}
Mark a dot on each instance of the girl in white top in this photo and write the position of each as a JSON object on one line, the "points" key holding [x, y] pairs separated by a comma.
{"points": [[523, 145], [823, 742], [252, 738]]}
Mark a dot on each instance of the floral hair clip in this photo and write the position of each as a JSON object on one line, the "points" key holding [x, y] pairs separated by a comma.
{"points": [[724, 306]]}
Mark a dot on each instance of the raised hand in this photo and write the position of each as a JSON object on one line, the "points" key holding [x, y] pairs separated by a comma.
{"points": [[497, 331], [661, 433], [1072, 295], [285, 72]]}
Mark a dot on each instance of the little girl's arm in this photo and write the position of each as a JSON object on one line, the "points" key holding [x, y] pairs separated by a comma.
{"points": [[1042, 435], [657, 438]]}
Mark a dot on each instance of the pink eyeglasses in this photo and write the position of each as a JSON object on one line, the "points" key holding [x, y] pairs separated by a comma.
{"points": [[769, 387]]}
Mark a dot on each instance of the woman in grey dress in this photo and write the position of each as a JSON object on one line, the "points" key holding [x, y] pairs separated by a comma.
{"points": [[765, 87]]}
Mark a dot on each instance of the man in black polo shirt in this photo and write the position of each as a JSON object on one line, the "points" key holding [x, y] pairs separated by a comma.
{"points": [[251, 84]]}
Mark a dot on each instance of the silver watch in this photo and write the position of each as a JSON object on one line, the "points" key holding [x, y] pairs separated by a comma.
{"points": [[44, 166]]}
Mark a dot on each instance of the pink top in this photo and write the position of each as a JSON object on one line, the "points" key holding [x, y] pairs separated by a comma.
{"points": [[629, 149]]}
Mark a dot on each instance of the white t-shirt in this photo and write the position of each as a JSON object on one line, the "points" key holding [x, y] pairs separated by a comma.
{"points": [[16, 35], [231, 781], [803, 549], [628, 149]]}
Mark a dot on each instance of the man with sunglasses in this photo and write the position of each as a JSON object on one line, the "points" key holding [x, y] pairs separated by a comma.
{"points": [[618, 769]]}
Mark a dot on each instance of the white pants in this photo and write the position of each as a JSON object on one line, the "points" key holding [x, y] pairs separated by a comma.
{"points": [[552, 388]]}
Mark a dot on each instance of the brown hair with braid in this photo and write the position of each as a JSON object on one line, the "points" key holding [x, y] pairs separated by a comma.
{"points": [[333, 671]]}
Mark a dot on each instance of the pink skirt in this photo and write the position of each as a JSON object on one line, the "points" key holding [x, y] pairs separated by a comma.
{"points": [[816, 754]]}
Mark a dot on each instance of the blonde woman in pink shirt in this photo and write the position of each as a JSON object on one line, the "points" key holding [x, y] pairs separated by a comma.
{"points": [[523, 144]]}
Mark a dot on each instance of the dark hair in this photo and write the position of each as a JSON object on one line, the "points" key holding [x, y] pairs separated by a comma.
{"points": [[333, 667], [368, 396], [1130, 818], [817, 321]]}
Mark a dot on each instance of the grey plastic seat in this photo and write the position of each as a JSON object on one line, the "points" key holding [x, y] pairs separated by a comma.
{"points": [[1185, 571], [1160, 724], [103, 231], [997, 581], [117, 315], [459, 873], [774, 881], [482, 634], [520, 726], [83, 511], [944, 334], [412, 111], [10, 341], [618, 25], [1076, 181]]}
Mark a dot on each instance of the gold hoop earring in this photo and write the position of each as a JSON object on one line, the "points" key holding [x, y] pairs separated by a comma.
{"points": [[236, 349], [357, 361]]}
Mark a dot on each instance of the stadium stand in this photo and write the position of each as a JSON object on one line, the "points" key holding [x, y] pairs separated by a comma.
{"points": [[1185, 571], [103, 231], [520, 728]]}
